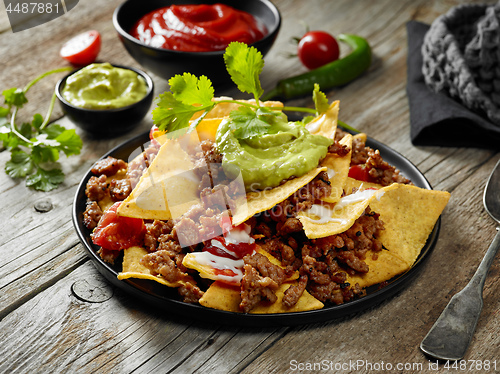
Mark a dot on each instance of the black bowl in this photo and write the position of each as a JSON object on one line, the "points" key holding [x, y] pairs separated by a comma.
{"points": [[167, 63], [108, 122]]}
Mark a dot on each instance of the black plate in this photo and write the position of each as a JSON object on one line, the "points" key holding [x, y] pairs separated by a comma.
{"points": [[163, 297]]}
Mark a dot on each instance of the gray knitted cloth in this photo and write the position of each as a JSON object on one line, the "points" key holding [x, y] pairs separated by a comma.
{"points": [[461, 54]]}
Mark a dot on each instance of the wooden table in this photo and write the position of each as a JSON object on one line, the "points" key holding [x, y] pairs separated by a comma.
{"points": [[45, 328]]}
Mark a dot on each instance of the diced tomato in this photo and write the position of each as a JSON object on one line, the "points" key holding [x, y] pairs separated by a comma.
{"points": [[360, 173], [116, 232], [225, 272], [240, 250], [82, 49], [225, 223]]}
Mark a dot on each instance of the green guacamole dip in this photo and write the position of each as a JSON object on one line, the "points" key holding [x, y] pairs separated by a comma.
{"points": [[103, 86], [287, 150]]}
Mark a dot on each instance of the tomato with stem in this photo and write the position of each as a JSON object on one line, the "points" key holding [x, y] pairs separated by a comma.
{"points": [[317, 48]]}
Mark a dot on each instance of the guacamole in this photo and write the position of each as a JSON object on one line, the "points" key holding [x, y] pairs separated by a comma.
{"points": [[103, 86], [287, 150]]}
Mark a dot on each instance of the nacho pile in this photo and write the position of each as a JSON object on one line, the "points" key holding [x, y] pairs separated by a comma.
{"points": [[316, 239]]}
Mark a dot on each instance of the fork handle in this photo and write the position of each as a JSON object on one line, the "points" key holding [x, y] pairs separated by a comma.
{"points": [[451, 334], [482, 271]]}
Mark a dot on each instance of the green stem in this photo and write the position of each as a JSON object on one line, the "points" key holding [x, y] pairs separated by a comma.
{"points": [[49, 112], [283, 108], [347, 127], [298, 109], [40, 77], [14, 129]]}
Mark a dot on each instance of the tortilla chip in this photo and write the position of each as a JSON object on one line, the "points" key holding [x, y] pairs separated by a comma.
{"points": [[338, 170], [132, 267], [167, 189], [351, 184], [325, 124], [277, 262], [221, 297], [341, 215], [409, 214], [386, 266], [361, 136], [305, 302], [206, 271], [260, 201]]}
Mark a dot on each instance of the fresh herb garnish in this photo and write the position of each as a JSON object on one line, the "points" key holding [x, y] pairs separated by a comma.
{"points": [[189, 95], [35, 147]]}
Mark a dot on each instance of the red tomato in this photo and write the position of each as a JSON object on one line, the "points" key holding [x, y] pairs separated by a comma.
{"points": [[117, 232], [317, 48], [360, 173], [82, 49]]}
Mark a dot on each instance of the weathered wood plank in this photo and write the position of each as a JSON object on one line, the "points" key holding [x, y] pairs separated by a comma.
{"points": [[39, 250], [118, 335]]}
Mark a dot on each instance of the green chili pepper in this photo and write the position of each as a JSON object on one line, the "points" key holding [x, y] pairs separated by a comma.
{"points": [[335, 73]]}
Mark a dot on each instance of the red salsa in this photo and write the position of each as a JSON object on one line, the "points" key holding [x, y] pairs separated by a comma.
{"points": [[197, 28]]}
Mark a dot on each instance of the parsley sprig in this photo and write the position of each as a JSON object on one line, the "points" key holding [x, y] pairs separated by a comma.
{"points": [[189, 94], [35, 146]]}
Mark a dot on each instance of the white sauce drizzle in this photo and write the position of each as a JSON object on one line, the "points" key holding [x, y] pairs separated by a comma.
{"points": [[221, 263], [325, 213], [238, 235], [357, 197], [234, 236]]}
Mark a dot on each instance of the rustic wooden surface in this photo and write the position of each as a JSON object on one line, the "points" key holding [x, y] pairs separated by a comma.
{"points": [[45, 328]]}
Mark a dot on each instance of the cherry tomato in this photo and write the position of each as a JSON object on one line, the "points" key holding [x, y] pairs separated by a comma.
{"points": [[117, 232], [317, 48], [82, 49], [360, 173]]}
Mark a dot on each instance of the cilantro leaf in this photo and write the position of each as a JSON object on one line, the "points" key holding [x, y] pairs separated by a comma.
{"points": [[19, 165], [34, 143], [247, 123], [244, 64], [4, 112], [171, 115], [45, 180], [191, 90], [41, 154], [25, 130], [69, 141], [14, 96], [37, 121], [188, 96], [320, 100]]}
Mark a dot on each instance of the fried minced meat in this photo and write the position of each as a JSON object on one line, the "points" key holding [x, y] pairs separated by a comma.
{"points": [[108, 166], [255, 288], [323, 262], [167, 262], [92, 215], [138, 165], [294, 292], [97, 188], [261, 279], [340, 150], [302, 199], [378, 169]]}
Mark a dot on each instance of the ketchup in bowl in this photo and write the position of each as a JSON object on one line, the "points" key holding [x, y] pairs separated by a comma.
{"points": [[197, 28]]}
